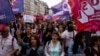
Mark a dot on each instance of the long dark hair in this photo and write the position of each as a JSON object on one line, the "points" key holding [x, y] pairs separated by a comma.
{"points": [[50, 27], [37, 40], [93, 40], [77, 42]]}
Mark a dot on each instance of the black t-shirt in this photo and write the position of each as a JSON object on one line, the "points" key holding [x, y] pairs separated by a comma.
{"points": [[33, 53], [92, 52], [25, 43], [46, 38]]}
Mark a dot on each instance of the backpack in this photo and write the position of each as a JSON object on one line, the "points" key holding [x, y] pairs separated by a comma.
{"points": [[13, 46], [88, 51], [12, 41]]}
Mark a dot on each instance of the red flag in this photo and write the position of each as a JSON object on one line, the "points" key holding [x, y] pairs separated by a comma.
{"points": [[86, 14]]}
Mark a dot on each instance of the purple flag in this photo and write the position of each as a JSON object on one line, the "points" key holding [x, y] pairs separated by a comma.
{"points": [[17, 6], [6, 14], [61, 10], [48, 17]]}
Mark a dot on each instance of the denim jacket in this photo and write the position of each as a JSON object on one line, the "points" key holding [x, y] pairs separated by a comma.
{"points": [[79, 53], [39, 51]]}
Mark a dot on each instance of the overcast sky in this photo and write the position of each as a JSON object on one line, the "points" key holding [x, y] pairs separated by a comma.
{"points": [[52, 2]]}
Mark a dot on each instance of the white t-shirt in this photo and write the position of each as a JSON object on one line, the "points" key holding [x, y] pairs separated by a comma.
{"points": [[7, 46], [68, 36], [98, 33]]}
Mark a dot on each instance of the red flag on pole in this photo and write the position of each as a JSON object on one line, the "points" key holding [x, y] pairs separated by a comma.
{"points": [[86, 14]]}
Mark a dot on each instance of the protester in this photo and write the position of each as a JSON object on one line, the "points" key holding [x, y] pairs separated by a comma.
{"points": [[87, 34], [47, 37], [40, 31], [94, 47], [23, 39], [60, 29], [34, 45], [55, 24], [54, 47], [78, 47], [47, 34], [8, 44], [45, 24], [68, 35], [34, 28]]}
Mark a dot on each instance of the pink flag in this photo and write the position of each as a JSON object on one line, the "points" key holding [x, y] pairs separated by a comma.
{"points": [[86, 14]]}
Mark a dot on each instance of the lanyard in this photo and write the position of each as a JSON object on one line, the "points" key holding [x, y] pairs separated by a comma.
{"points": [[3, 43]]}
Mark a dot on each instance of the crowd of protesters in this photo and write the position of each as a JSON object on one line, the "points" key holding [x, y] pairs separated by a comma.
{"points": [[47, 38]]}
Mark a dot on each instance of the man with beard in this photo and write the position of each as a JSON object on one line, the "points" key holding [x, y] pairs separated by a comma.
{"points": [[68, 35], [8, 44]]}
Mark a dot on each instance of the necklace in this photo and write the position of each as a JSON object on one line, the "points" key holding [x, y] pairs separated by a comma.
{"points": [[3, 41]]}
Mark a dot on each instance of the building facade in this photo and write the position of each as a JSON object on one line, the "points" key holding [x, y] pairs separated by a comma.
{"points": [[43, 8], [50, 11], [35, 7]]}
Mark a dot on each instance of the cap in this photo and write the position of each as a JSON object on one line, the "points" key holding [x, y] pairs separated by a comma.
{"points": [[2, 27]]}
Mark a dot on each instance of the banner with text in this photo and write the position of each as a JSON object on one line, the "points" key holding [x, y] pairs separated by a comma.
{"points": [[28, 19], [17, 6], [6, 14], [61, 11], [86, 14]]}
